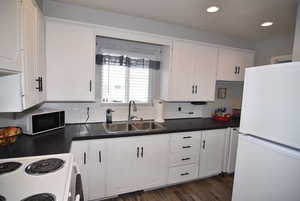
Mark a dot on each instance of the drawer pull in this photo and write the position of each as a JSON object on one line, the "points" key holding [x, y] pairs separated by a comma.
{"points": [[187, 137], [184, 174], [185, 159], [187, 147]]}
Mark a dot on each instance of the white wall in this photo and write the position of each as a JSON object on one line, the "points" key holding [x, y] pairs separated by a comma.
{"points": [[77, 112], [296, 49], [274, 46]]}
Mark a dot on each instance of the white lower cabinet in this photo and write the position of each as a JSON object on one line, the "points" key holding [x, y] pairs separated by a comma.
{"points": [[232, 138], [90, 155], [80, 151], [110, 167], [212, 152], [184, 156], [97, 169], [137, 163]]}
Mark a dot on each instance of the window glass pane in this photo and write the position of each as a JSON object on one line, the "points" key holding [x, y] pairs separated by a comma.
{"points": [[113, 84], [120, 84], [139, 84]]}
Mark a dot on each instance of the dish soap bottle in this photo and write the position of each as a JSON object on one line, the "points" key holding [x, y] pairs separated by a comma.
{"points": [[109, 116]]}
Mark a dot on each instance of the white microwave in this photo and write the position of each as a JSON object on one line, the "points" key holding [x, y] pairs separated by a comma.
{"points": [[43, 121]]}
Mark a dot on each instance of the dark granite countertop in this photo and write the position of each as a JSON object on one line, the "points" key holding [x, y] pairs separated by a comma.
{"points": [[59, 141]]}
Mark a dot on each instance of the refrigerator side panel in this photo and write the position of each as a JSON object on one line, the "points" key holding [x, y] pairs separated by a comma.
{"points": [[270, 108], [266, 172]]}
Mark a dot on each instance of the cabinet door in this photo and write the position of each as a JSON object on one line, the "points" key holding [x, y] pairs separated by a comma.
{"points": [[122, 171], [234, 137], [80, 151], [153, 161], [246, 59], [70, 62], [41, 55], [29, 45], [10, 40], [97, 169], [205, 73], [232, 64], [228, 65], [212, 152], [182, 72]]}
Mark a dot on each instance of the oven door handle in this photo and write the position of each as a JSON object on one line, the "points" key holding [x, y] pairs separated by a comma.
{"points": [[79, 189]]}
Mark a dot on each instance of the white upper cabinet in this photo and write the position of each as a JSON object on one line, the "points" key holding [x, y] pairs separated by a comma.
{"points": [[191, 72], [70, 62], [10, 40], [25, 87], [232, 63]]}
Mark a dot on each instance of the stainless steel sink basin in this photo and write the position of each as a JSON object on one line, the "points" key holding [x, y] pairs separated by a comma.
{"points": [[147, 125], [118, 127], [136, 126]]}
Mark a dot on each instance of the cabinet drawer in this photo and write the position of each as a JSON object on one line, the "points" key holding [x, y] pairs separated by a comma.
{"points": [[177, 159], [185, 147], [188, 137], [183, 173]]}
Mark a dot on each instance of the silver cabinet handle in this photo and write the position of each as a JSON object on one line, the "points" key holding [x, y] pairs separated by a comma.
{"points": [[239, 68], [193, 89], [138, 152], [235, 71], [90, 85], [186, 147], [84, 158], [185, 159], [100, 158], [142, 153], [203, 144], [184, 174], [187, 137], [196, 89]]}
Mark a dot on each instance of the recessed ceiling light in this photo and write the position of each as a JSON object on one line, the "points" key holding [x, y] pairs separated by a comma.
{"points": [[266, 24], [213, 9]]}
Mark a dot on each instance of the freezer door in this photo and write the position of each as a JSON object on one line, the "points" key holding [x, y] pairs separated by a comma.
{"points": [[270, 107], [266, 172]]}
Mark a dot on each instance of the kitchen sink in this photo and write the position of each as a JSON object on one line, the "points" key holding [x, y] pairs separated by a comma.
{"points": [[118, 127], [147, 125], [135, 126]]}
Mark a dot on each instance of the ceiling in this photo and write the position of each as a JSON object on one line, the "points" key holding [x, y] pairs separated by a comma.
{"points": [[239, 18]]}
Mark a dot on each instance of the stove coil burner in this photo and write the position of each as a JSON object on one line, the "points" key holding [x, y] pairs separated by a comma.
{"points": [[44, 166], [9, 167], [40, 197], [2, 198]]}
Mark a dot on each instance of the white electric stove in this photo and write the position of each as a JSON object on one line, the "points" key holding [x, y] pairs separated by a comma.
{"points": [[40, 178]]}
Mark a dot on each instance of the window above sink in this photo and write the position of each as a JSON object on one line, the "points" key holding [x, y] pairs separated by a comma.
{"points": [[127, 70]]}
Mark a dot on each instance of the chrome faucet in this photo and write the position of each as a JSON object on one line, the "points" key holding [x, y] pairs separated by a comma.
{"points": [[131, 104]]}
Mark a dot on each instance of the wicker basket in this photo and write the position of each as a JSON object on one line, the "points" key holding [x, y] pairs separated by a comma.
{"points": [[9, 135]]}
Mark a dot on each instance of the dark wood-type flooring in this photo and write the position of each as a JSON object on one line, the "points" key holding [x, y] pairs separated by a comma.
{"points": [[218, 188]]}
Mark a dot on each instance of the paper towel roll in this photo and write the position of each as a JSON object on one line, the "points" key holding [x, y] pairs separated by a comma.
{"points": [[159, 110]]}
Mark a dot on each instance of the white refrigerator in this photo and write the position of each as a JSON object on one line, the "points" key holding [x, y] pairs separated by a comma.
{"points": [[268, 156]]}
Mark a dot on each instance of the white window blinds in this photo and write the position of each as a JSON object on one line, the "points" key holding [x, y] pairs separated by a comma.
{"points": [[121, 84]]}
